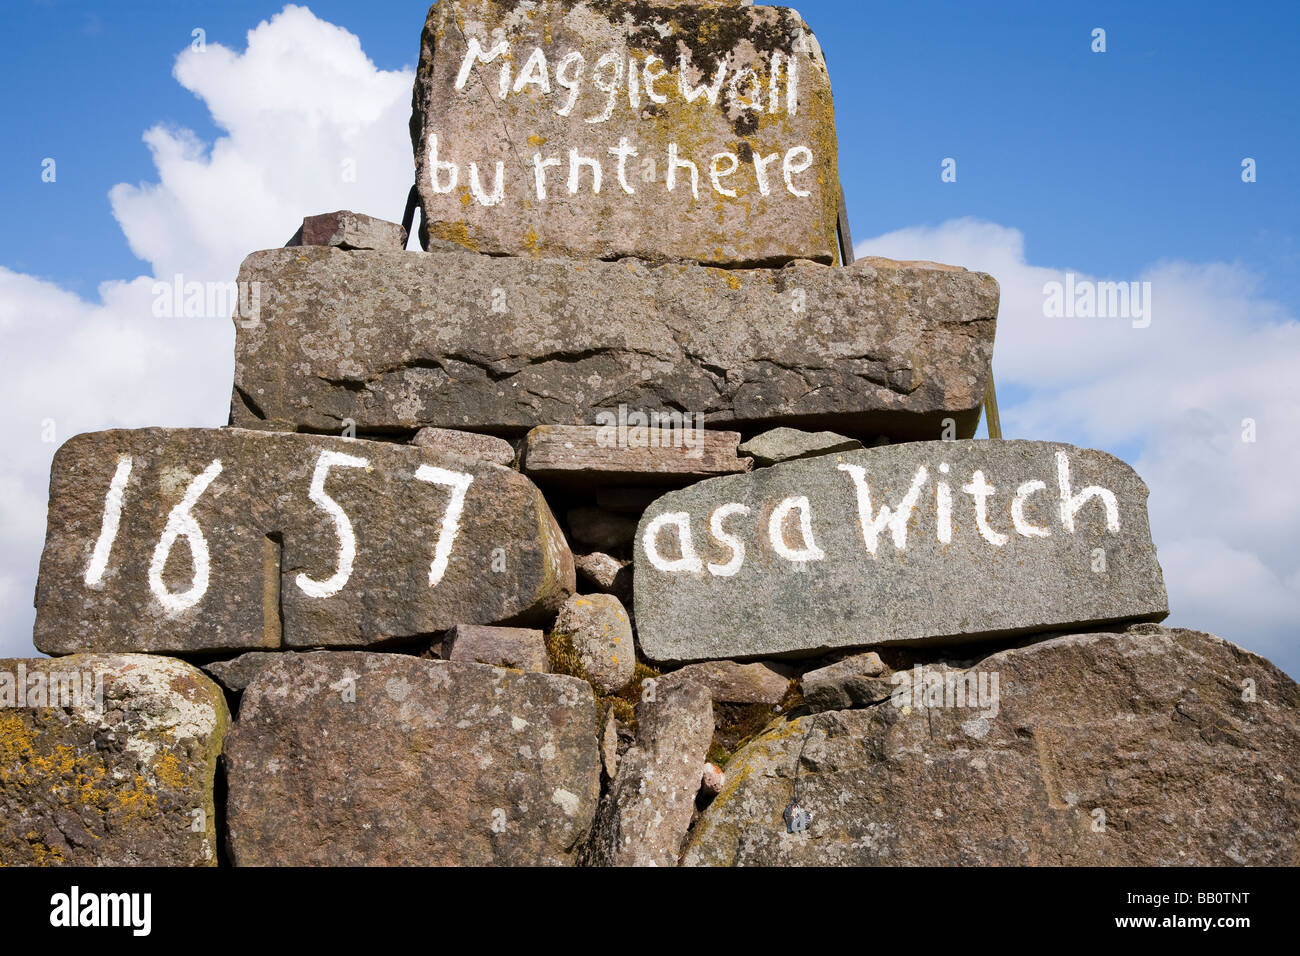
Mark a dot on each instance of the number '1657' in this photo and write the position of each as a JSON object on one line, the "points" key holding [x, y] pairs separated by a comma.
{"points": [[182, 524]]}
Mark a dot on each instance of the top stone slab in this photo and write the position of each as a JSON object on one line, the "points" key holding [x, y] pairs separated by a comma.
{"points": [[660, 130]]}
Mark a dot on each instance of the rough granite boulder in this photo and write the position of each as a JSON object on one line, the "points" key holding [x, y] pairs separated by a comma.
{"points": [[699, 131], [601, 632], [358, 759], [1153, 747], [395, 341], [108, 760]]}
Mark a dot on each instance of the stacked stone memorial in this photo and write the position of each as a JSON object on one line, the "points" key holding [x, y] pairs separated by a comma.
{"points": [[629, 521]]}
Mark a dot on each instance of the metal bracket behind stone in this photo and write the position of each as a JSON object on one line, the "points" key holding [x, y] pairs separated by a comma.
{"points": [[842, 232], [408, 217], [991, 407]]}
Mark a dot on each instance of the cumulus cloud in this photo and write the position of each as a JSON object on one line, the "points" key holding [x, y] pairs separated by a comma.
{"points": [[309, 125], [1216, 361]]}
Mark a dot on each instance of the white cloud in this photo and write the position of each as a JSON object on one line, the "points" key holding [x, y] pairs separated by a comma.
{"points": [[1224, 515], [311, 126], [295, 106]]}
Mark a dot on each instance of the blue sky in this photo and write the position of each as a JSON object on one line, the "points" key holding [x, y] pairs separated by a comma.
{"points": [[1122, 165], [1105, 161]]}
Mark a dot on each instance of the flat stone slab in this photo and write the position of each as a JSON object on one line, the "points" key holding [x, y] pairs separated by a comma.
{"points": [[208, 540], [791, 444], [519, 648], [108, 760], [487, 448], [925, 542], [595, 454], [617, 128], [1162, 747], [355, 759], [395, 341]]}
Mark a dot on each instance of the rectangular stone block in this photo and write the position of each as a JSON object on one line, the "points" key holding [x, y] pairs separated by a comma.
{"points": [[395, 341], [520, 648], [362, 759], [604, 453], [700, 131], [205, 540], [926, 542]]}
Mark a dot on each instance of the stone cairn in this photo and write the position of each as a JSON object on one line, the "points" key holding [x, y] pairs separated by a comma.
{"points": [[625, 523]]}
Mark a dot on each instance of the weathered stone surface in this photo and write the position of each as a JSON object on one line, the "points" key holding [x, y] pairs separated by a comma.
{"points": [[821, 569], [856, 681], [602, 635], [596, 454], [731, 683], [791, 444], [643, 819], [602, 570], [518, 647], [108, 760], [396, 341], [236, 673], [222, 534], [1135, 749], [609, 745], [348, 758], [349, 230], [496, 451], [595, 528], [545, 99]]}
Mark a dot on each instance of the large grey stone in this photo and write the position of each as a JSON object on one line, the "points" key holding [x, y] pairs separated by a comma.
{"points": [[208, 540], [348, 758], [1157, 747], [805, 560], [519, 107], [108, 760], [395, 341]]}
